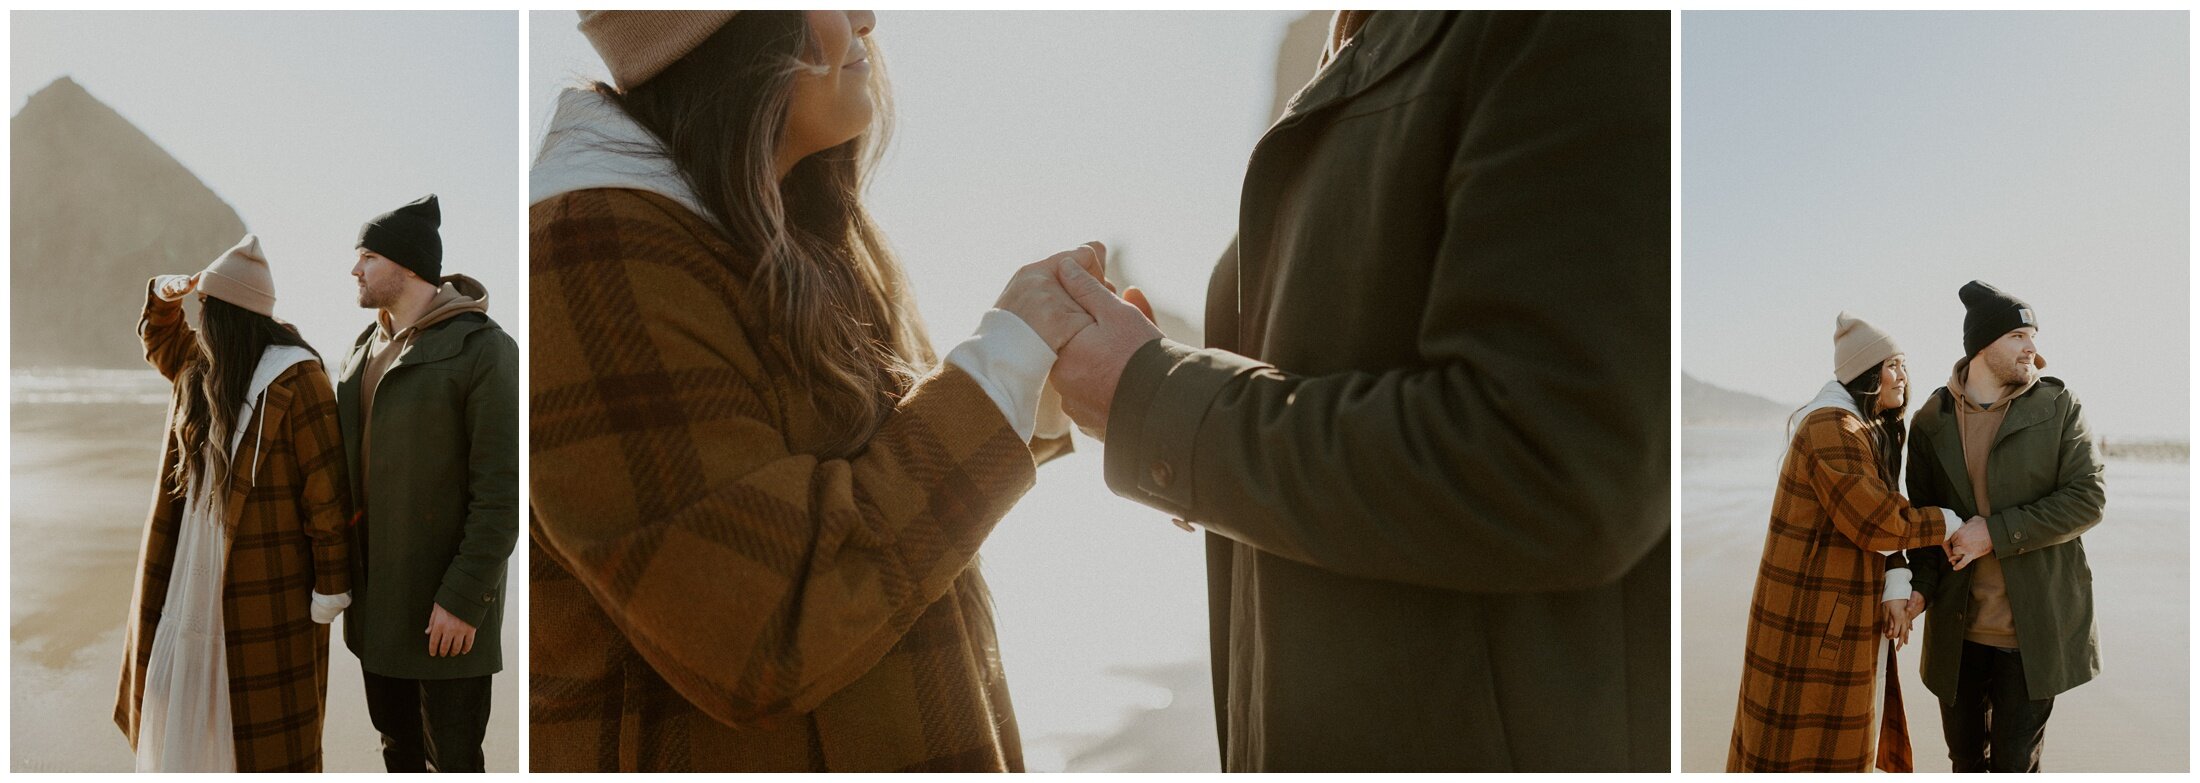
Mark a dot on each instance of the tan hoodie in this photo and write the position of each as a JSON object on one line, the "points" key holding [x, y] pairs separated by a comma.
{"points": [[1992, 622], [459, 294]]}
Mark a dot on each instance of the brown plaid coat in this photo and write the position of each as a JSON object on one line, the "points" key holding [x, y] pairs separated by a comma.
{"points": [[705, 594], [286, 542], [1814, 623]]}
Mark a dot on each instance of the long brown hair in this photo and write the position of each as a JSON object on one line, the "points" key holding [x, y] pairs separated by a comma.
{"points": [[211, 388], [835, 301], [1886, 427]]}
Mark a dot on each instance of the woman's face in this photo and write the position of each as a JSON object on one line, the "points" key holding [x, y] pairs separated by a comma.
{"points": [[832, 100], [1894, 383]]}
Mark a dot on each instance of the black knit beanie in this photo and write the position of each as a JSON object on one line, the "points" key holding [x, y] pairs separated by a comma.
{"points": [[1988, 314], [407, 235]]}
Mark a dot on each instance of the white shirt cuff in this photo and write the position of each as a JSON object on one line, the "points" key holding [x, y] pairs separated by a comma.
{"points": [[1898, 585], [1010, 362], [1950, 521], [327, 607]]}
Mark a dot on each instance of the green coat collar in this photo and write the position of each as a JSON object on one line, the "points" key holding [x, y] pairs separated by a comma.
{"points": [[1936, 420], [435, 343], [1387, 42]]}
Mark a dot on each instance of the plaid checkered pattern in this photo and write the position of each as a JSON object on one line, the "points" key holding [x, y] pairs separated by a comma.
{"points": [[286, 542], [705, 593], [1814, 626]]}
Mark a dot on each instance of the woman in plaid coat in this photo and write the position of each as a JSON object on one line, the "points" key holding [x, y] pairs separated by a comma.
{"points": [[757, 498], [1818, 690], [243, 562]]}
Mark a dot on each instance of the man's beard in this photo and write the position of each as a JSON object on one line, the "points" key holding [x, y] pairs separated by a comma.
{"points": [[2017, 372], [373, 298]]}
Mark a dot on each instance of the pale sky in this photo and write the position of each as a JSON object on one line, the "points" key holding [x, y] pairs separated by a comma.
{"points": [[1876, 162], [308, 124], [1020, 134]]}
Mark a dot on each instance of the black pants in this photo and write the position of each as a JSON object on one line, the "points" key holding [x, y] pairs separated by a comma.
{"points": [[1992, 725], [429, 725]]}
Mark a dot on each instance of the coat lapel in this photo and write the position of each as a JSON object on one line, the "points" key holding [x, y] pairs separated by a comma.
{"points": [[1387, 42], [347, 406], [266, 403], [440, 341], [242, 477], [1948, 448], [2028, 410]]}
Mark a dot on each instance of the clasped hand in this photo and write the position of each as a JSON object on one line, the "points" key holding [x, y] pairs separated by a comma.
{"points": [[1065, 298], [1969, 543], [1899, 615]]}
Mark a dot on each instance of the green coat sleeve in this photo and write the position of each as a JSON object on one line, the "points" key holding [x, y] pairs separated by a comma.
{"points": [[2073, 508], [1923, 480], [475, 578], [1528, 451]]}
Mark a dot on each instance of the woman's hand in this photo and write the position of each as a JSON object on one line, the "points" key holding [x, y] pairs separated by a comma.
{"points": [[1900, 614], [175, 287], [1035, 294]]}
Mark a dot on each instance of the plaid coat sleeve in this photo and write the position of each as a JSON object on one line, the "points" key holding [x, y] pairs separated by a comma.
{"points": [[168, 341], [1863, 506], [755, 579], [324, 497]]}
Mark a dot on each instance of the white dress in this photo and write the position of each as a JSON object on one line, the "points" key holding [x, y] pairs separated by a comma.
{"points": [[184, 725]]}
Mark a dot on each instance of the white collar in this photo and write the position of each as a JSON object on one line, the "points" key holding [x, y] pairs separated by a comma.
{"points": [[592, 144], [1831, 395], [273, 361]]}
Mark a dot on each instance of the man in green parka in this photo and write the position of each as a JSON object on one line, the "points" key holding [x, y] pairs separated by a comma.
{"points": [[429, 404], [1429, 435], [2009, 605]]}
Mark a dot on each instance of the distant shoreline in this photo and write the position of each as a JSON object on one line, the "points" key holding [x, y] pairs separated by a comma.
{"points": [[2131, 449]]}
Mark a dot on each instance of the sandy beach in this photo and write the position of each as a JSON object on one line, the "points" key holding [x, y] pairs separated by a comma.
{"points": [[82, 481], [2133, 718]]}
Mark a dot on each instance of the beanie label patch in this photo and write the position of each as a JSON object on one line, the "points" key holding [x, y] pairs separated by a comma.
{"points": [[2024, 316]]}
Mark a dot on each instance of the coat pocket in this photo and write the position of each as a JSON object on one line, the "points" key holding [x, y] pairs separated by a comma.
{"points": [[1837, 625]]}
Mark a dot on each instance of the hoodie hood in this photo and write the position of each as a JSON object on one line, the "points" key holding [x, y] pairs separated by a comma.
{"points": [[592, 144], [1962, 372], [458, 295]]}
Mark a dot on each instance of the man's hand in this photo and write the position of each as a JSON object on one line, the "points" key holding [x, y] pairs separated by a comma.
{"points": [[1087, 368], [1035, 295], [1970, 542], [447, 635]]}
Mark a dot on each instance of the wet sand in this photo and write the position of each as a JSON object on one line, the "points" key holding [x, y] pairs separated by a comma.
{"points": [[2133, 718], [82, 482]]}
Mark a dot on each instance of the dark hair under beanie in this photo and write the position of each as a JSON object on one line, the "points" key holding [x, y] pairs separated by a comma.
{"points": [[407, 235], [1988, 314]]}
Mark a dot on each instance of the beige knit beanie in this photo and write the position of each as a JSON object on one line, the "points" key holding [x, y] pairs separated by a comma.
{"points": [[638, 45], [1857, 346], [241, 277]]}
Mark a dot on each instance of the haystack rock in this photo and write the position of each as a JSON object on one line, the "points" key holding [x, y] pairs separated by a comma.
{"points": [[1706, 405], [98, 208]]}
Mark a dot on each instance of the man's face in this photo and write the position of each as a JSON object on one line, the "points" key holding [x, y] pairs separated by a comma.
{"points": [[380, 279], [2010, 358]]}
